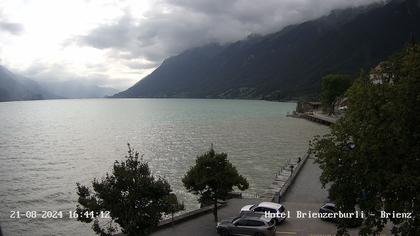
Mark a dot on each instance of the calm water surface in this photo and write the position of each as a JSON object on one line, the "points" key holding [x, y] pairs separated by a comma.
{"points": [[48, 146]]}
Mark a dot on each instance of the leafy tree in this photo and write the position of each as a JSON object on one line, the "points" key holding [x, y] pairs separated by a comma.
{"points": [[135, 199], [213, 177], [332, 87], [371, 158]]}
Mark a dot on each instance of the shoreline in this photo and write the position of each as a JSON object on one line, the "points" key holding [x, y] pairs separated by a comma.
{"points": [[283, 180], [315, 117]]}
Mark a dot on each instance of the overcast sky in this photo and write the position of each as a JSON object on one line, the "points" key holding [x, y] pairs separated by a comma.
{"points": [[117, 42]]}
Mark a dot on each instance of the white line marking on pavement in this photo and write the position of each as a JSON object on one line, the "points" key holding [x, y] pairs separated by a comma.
{"points": [[291, 233]]}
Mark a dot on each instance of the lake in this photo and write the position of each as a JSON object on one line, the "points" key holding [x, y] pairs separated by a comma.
{"points": [[48, 146]]}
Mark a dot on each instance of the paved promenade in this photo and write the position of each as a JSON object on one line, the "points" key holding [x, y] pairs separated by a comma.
{"points": [[205, 225], [306, 194], [332, 119]]}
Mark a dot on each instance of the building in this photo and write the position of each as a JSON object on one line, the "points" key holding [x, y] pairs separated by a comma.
{"points": [[303, 107], [380, 74], [340, 106]]}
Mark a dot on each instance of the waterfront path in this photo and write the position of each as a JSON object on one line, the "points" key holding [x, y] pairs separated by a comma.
{"points": [[331, 119], [307, 186], [319, 118], [305, 194], [204, 225]]}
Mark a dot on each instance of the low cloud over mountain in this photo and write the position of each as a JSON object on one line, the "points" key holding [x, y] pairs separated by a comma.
{"points": [[288, 64], [171, 27], [14, 87]]}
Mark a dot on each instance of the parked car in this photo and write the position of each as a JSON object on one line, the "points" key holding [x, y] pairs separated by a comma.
{"points": [[247, 224], [342, 108], [328, 208], [263, 207], [331, 208]]}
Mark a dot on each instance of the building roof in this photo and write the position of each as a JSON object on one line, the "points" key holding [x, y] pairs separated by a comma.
{"points": [[314, 103]]}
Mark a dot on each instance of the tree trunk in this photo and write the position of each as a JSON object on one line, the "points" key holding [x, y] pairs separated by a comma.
{"points": [[215, 210], [332, 109], [172, 214]]}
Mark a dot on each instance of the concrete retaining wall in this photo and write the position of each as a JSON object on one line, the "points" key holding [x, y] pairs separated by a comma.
{"points": [[284, 179]]}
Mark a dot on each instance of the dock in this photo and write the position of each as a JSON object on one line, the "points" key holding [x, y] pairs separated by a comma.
{"points": [[316, 117]]}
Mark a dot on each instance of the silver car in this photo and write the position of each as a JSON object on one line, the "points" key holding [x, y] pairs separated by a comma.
{"points": [[269, 207], [255, 225]]}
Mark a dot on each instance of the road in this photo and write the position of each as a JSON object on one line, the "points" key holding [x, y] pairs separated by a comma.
{"points": [[332, 119], [205, 225], [306, 194]]}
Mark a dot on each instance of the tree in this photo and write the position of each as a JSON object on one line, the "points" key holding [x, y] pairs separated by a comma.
{"points": [[332, 87], [213, 177], [371, 158], [132, 196]]}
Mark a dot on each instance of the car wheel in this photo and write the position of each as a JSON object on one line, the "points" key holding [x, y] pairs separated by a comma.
{"points": [[258, 234], [224, 233]]}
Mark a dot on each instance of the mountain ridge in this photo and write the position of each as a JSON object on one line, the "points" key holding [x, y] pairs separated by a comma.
{"points": [[14, 87], [288, 64], [17, 88]]}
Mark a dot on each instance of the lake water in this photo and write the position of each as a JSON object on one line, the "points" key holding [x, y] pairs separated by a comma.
{"points": [[48, 146]]}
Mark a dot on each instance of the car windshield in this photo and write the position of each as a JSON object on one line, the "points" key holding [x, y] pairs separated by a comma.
{"points": [[332, 208], [281, 209], [329, 206], [234, 219]]}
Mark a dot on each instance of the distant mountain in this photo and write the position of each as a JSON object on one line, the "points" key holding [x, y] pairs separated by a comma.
{"points": [[78, 89], [15, 88], [288, 64]]}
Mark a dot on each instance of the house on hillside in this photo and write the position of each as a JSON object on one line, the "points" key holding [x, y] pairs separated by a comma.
{"points": [[340, 105], [380, 74]]}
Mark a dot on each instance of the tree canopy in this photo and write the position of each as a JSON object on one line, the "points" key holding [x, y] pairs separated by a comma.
{"points": [[371, 158], [332, 87], [131, 196], [212, 178]]}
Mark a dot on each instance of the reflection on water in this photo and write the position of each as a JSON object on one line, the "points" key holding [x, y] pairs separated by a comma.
{"points": [[48, 146]]}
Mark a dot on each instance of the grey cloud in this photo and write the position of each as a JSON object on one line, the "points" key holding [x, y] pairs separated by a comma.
{"points": [[136, 65], [48, 72], [12, 28], [176, 25], [116, 35], [59, 73], [8, 26]]}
